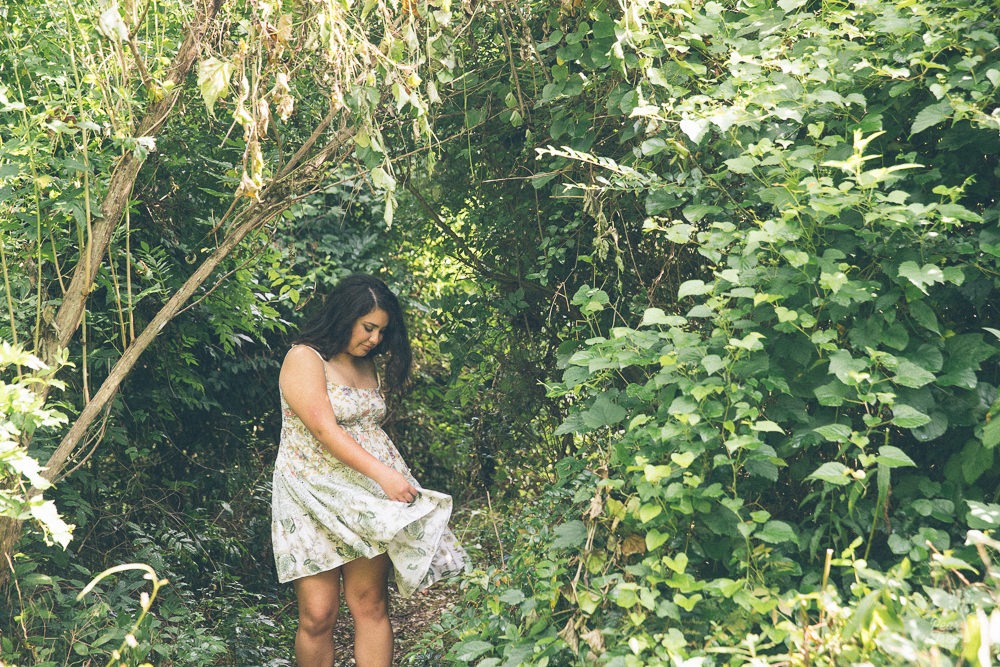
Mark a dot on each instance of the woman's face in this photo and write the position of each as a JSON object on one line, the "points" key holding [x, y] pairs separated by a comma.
{"points": [[368, 332]]}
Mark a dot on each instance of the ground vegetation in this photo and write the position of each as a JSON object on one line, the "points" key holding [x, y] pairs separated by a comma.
{"points": [[703, 296]]}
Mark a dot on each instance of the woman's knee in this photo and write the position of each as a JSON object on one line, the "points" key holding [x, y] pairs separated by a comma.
{"points": [[318, 619], [319, 602], [368, 602]]}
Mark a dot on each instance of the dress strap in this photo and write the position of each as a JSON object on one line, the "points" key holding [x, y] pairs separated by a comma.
{"points": [[378, 379]]}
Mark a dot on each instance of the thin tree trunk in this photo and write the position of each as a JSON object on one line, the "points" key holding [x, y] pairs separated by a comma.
{"points": [[10, 530], [128, 360], [256, 217]]}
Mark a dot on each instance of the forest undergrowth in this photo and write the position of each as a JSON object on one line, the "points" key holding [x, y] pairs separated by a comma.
{"points": [[703, 293]]}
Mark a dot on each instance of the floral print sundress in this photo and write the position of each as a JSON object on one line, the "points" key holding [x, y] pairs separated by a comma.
{"points": [[325, 514]]}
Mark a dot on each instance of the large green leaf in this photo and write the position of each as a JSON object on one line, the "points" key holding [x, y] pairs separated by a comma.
{"points": [[935, 428], [570, 535], [983, 516], [659, 201], [590, 300], [967, 351], [991, 433], [743, 164], [655, 539], [603, 412], [893, 457], [831, 394], [974, 461], [468, 651], [906, 416], [931, 115], [693, 288], [694, 128], [656, 317], [776, 532], [921, 276], [846, 367], [924, 316], [896, 336], [911, 375], [832, 472], [213, 80], [834, 432]]}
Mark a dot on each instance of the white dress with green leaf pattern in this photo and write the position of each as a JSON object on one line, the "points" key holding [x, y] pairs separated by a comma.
{"points": [[325, 514]]}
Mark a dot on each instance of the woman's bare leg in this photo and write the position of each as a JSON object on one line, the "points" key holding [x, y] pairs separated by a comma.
{"points": [[319, 603], [366, 589]]}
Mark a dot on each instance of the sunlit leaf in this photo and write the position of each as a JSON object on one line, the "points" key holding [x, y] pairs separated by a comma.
{"points": [[111, 25], [931, 115], [832, 473], [213, 80], [911, 375], [692, 288], [983, 516], [655, 539], [834, 432], [776, 532], [906, 416], [921, 276], [694, 128]]}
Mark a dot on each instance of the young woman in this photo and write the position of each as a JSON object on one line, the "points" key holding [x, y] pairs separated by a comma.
{"points": [[346, 511]]}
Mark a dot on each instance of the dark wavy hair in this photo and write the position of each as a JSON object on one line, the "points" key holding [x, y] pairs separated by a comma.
{"points": [[329, 330]]}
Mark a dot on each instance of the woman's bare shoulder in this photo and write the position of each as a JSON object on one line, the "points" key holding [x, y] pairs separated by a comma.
{"points": [[301, 360], [302, 352]]}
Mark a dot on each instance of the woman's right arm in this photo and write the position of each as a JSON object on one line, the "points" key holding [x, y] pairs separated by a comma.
{"points": [[303, 384]]}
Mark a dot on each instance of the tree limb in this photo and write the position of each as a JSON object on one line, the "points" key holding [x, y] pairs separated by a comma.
{"points": [[131, 355], [70, 313], [255, 217]]}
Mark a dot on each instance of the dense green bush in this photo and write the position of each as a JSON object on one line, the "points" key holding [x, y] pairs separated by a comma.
{"points": [[820, 383]]}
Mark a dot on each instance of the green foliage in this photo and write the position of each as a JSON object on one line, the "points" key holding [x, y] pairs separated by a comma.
{"points": [[522, 617], [74, 619], [820, 377], [23, 411], [894, 616], [177, 479], [702, 290]]}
